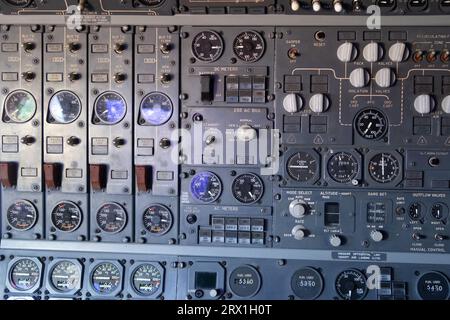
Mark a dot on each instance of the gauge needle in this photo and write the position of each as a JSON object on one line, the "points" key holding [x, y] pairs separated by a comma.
{"points": [[210, 193], [299, 167], [251, 195], [118, 219], [383, 164], [74, 217], [30, 216], [368, 128]]}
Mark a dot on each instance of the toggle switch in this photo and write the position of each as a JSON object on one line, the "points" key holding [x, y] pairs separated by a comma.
{"points": [[29, 46], [28, 140], [28, 76], [74, 47], [98, 173], [166, 48], [207, 87], [8, 174], [120, 77], [52, 175], [74, 76], [120, 47], [73, 141], [143, 178]]}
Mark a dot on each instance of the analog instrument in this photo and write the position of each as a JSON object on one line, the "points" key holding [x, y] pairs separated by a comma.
{"points": [[21, 215], [65, 107], [147, 279], [371, 124], [20, 106], [342, 167], [247, 188], [66, 216], [249, 46], [106, 278], [351, 285], [65, 276], [157, 219], [416, 211], [384, 168], [302, 166], [307, 283], [207, 46], [245, 281], [433, 286], [111, 217], [24, 275], [206, 187], [156, 109], [110, 108]]}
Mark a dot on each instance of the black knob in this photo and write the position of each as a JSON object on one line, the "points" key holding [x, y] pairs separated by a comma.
{"points": [[164, 143], [28, 140], [29, 46], [120, 47], [73, 141], [74, 76], [28, 76], [74, 46], [166, 47], [165, 78], [118, 142], [120, 77]]}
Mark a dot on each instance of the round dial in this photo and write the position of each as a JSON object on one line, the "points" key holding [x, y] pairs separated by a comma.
{"points": [[24, 274], [111, 217], [105, 278], [157, 219], [247, 188], [110, 108], [206, 186], [384, 168], [207, 46], [342, 167], [416, 211], [147, 279], [65, 107], [307, 283], [20, 106], [245, 281], [66, 216], [21, 215], [433, 286], [18, 3], [302, 166], [156, 108], [65, 276], [351, 285], [249, 46], [371, 124]]}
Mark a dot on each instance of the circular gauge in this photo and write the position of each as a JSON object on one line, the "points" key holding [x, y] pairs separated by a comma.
{"points": [[66, 216], [249, 46], [245, 281], [307, 283], [247, 188], [207, 46], [302, 166], [65, 276], [111, 217], [371, 124], [156, 108], [146, 279], [384, 168], [343, 167], [21, 215], [206, 186], [18, 3], [439, 211], [20, 106], [433, 286], [416, 211], [24, 274], [351, 285], [105, 278], [110, 108], [157, 219], [65, 107]]}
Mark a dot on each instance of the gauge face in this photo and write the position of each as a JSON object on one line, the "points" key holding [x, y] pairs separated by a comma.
{"points": [[207, 46], [247, 188], [416, 211], [156, 108], [433, 286], [302, 166], [21, 215], [24, 275], [110, 108], [249, 46], [65, 276], [111, 217], [371, 124], [439, 211], [66, 216], [147, 279], [342, 167], [106, 278], [351, 285], [20, 106], [65, 107], [245, 281], [384, 168], [206, 186], [18, 3], [157, 219], [307, 283]]}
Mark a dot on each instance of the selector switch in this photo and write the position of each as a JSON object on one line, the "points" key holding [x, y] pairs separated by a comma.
{"points": [[74, 47], [292, 103], [120, 47], [28, 76], [316, 6], [445, 104], [319, 103], [29, 46], [372, 52], [337, 6], [73, 141], [299, 232], [120, 77], [298, 209], [246, 133], [295, 5], [359, 78], [424, 104], [376, 235], [166, 48], [385, 78], [207, 87], [74, 76], [347, 52], [335, 240], [398, 52]]}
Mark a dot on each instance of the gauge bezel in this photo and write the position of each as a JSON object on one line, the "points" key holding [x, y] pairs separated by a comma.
{"points": [[6, 113], [79, 222], [36, 215], [258, 276], [440, 274], [257, 178], [93, 266], [216, 57], [96, 115], [49, 283], [311, 152], [263, 42], [371, 110], [316, 273], [50, 114], [340, 274], [130, 275], [218, 194], [171, 220], [13, 263], [109, 203], [368, 158], [143, 121], [327, 176]]}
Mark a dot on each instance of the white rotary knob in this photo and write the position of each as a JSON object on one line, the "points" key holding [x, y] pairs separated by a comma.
{"points": [[359, 78], [292, 103], [385, 77], [319, 103], [398, 52], [424, 104], [372, 52], [445, 104], [346, 52]]}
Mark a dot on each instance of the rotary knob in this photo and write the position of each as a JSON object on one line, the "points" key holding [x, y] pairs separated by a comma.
{"points": [[385, 77], [335, 240], [445, 104], [246, 133], [29, 46], [73, 141], [74, 47], [359, 78], [165, 78], [316, 6], [337, 6], [120, 77], [295, 5], [120, 47], [28, 140], [319, 103], [398, 52], [166, 48], [346, 52], [292, 103], [376, 235], [28, 76], [299, 232], [298, 209], [424, 104], [74, 76], [372, 52], [119, 142]]}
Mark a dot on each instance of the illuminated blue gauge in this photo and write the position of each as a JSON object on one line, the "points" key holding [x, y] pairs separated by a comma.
{"points": [[20, 106], [156, 109], [110, 108], [206, 187], [65, 107]]}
